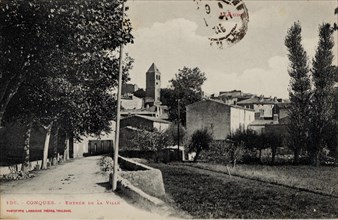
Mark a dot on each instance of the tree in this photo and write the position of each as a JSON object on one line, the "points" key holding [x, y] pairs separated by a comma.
{"points": [[187, 87], [299, 93], [335, 25], [21, 42], [323, 75], [172, 133], [200, 140], [140, 93], [73, 46], [150, 140]]}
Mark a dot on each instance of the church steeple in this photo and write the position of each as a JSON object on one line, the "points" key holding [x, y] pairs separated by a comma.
{"points": [[153, 83]]}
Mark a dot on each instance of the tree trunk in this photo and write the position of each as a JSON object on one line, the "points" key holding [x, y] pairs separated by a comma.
{"points": [[260, 155], [317, 159], [26, 161], [45, 147], [197, 154], [55, 145], [1, 115], [7, 93], [66, 150], [71, 147], [296, 153], [234, 163], [273, 156]]}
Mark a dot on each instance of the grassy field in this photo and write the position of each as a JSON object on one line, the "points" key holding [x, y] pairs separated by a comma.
{"points": [[317, 179], [206, 194]]}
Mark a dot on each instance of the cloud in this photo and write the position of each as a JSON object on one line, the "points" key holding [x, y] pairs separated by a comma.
{"points": [[272, 81]]}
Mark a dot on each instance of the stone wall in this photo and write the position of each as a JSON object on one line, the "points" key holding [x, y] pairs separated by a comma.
{"points": [[146, 178]]}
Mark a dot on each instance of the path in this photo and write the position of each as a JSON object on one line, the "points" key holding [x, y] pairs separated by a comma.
{"points": [[77, 189]]}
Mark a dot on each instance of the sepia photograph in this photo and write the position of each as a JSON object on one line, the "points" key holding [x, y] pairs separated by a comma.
{"points": [[168, 109]]}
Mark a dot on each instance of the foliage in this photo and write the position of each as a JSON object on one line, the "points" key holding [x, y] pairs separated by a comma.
{"points": [[299, 93], [250, 140], [140, 93], [322, 113], [200, 140], [150, 140], [187, 87], [75, 42], [172, 133], [57, 60], [223, 152]]}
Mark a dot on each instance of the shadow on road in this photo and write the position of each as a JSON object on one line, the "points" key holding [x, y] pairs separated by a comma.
{"points": [[106, 185]]}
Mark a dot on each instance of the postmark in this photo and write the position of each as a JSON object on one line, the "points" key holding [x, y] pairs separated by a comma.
{"points": [[225, 20]]}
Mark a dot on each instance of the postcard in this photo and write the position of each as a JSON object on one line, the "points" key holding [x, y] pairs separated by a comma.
{"points": [[208, 97]]}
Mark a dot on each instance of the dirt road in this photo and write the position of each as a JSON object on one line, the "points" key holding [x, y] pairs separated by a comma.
{"points": [[77, 189]]}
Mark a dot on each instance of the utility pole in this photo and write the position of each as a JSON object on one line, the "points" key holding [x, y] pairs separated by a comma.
{"points": [[178, 129], [118, 115]]}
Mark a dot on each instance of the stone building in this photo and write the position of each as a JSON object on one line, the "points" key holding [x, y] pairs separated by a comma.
{"points": [[263, 106], [218, 117], [131, 102], [128, 88], [145, 122], [153, 86]]}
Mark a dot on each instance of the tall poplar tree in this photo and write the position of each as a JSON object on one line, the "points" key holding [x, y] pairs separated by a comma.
{"points": [[323, 75], [300, 91]]}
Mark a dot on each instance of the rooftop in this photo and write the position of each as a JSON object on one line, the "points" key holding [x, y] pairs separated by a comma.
{"points": [[257, 100], [149, 118], [220, 102], [153, 69], [262, 122]]}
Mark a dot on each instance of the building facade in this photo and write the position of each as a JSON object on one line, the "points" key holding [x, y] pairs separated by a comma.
{"points": [[262, 106], [131, 102], [128, 88], [219, 118]]}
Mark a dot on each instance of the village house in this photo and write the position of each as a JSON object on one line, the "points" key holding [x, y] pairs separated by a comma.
{"points": [[131, 102], [218, 117], [263, 106], [128, 88], [277, 123], [145, 122]]}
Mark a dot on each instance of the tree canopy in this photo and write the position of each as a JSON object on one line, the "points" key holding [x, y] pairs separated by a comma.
{"points": [[300, 91], [185, 87], [59, 62]]}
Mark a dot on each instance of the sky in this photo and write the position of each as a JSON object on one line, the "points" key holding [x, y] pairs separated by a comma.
{"points": [[172, 34]]}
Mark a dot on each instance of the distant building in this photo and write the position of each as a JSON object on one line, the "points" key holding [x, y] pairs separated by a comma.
{"points": [[281, 109], [262, 106], [128, 88], [279, 122], [145, 122], [131, 102], [153, 86], [232, 97], [96, 144], [219, 118], [231, 93]]}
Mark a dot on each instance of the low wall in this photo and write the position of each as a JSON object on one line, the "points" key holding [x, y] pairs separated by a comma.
{"points": [[146, 178], [6, 169]]}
